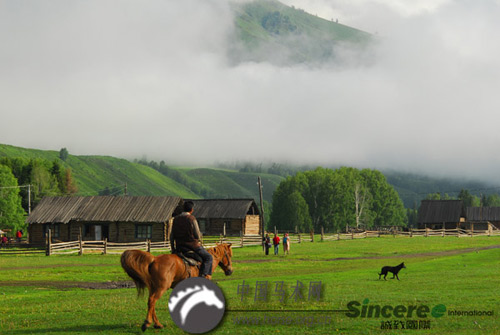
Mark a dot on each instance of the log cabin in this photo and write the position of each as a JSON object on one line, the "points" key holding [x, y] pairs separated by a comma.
{"points": [[116, 218], [238, 216], [441, 214]]}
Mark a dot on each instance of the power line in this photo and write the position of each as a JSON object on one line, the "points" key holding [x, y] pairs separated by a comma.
{"points": [[20, 186]]}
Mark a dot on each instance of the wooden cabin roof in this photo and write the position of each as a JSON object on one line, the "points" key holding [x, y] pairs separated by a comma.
{"points": [[482, 214], [224, 208], [146, 209], [439, 211]]}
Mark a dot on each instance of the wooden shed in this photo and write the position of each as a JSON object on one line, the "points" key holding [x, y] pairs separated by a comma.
{"points": [[478, 218], [237, 215], [117, 218], [439, 214]]}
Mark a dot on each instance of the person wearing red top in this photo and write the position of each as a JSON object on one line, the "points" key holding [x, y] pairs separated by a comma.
{"points": [[276, 243], [19, 234]]}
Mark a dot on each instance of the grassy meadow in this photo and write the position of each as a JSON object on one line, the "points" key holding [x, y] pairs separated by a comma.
{"points": [[55, 295]]}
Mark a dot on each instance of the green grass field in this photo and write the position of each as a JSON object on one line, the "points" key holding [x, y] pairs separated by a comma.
{"points": [[69, 294]]}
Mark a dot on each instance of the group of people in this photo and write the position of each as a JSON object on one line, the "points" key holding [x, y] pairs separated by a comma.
{"points": [[276, 243], [4, 239]]}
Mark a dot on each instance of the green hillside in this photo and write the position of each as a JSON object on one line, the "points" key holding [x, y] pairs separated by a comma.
{"points": [[271, 31], [95, 174], [236, 184], [98, 174]]}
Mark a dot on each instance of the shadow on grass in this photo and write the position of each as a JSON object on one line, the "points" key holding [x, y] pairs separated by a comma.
{"points": [[81, 329]]}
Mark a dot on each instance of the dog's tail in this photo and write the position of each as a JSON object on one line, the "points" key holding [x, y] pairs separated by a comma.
{"points": [[136, 265]]}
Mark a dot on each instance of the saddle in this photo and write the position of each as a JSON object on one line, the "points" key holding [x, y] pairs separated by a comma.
{"points": [[189, 257]]}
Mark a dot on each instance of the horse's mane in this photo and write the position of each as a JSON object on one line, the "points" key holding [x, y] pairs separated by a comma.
{"points": [[218, 251]]}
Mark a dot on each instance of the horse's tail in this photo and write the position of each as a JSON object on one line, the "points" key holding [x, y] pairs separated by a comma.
{"points": [[136, 264]]}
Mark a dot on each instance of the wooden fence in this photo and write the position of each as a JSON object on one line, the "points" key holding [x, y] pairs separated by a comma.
{"points": [[105, 247]]}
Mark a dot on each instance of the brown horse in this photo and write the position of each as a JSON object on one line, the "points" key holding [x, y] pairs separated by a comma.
{"points": [[162, 272]]}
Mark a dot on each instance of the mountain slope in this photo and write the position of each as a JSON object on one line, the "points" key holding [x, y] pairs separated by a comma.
{"points": [[271, 31], [94, 174], [236, 184]]}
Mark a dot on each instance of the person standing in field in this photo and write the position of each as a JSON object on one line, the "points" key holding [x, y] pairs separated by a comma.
{"points": [[19, 235], [5, 240], [276, 243], [286, 244], [267, 243]]}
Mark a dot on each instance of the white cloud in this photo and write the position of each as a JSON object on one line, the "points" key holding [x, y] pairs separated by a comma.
{"points": [[153, 78]]}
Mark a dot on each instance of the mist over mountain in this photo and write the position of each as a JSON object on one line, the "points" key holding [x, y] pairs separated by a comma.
{"points": [[410, 86], [269, 31]]}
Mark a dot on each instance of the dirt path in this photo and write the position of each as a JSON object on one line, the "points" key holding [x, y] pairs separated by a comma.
{"points": [[421, 254], [52, 266], [70, 284], [129, 284]]}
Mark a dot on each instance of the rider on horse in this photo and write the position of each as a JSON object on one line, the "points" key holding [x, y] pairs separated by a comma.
{"points": [[186, 235]]}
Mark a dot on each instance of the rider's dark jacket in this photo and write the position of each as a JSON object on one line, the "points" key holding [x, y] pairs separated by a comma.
{"points": [[185, 232]]}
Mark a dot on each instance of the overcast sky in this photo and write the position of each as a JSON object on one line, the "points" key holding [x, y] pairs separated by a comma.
{"points": [[134, 78]]}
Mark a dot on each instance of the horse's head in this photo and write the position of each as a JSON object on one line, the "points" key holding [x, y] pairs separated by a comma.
{"points": [[225, 262]]}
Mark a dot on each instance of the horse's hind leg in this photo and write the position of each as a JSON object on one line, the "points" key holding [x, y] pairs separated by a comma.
{"points": [[158, 295], [151, 306]]}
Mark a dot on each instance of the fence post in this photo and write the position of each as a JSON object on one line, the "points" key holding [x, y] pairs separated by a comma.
{"points": [[49, 242], [426, 231], [338, 236], [300, 241], [322, 233], [105, 246], [411, 232], [241, 237], [80, 245], [352, 235], [472, 230], [442, 233], [223, 231], [312, 235], [148, 243]]}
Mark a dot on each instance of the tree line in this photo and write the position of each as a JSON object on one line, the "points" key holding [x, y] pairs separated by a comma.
{"points": [[469, 199], [335, 200], [179, 177], [46, 178]]}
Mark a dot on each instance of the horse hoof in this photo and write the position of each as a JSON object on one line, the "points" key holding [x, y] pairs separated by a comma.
{"points": [[145, 326], [158, 326]]}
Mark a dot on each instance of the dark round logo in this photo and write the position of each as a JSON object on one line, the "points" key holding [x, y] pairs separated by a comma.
{"points": [[196, 305], [438, 311]]}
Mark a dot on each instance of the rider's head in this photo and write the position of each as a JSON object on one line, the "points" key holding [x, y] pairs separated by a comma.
{"points": [[188, 206]]}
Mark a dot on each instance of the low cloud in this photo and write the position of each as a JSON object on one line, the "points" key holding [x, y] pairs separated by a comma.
{"points": [[157, 79]]}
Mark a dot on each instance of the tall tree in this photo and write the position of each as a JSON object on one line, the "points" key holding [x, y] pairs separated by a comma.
{"points": [[63, 154], [11, 211], [468, 199], [339, 198]]}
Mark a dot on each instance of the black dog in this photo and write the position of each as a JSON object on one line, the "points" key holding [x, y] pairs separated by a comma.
{"points": [[393, 269]]}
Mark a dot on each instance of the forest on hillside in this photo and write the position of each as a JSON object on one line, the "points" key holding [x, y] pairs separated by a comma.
{"points": [[24, 182]]}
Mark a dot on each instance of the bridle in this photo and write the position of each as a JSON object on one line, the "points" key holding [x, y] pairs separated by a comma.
{"points": [[221, 262]]}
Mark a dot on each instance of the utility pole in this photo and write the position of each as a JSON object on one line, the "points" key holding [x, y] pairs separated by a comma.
{"points": [[259, 182], [125, 192], [29, 199]]}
